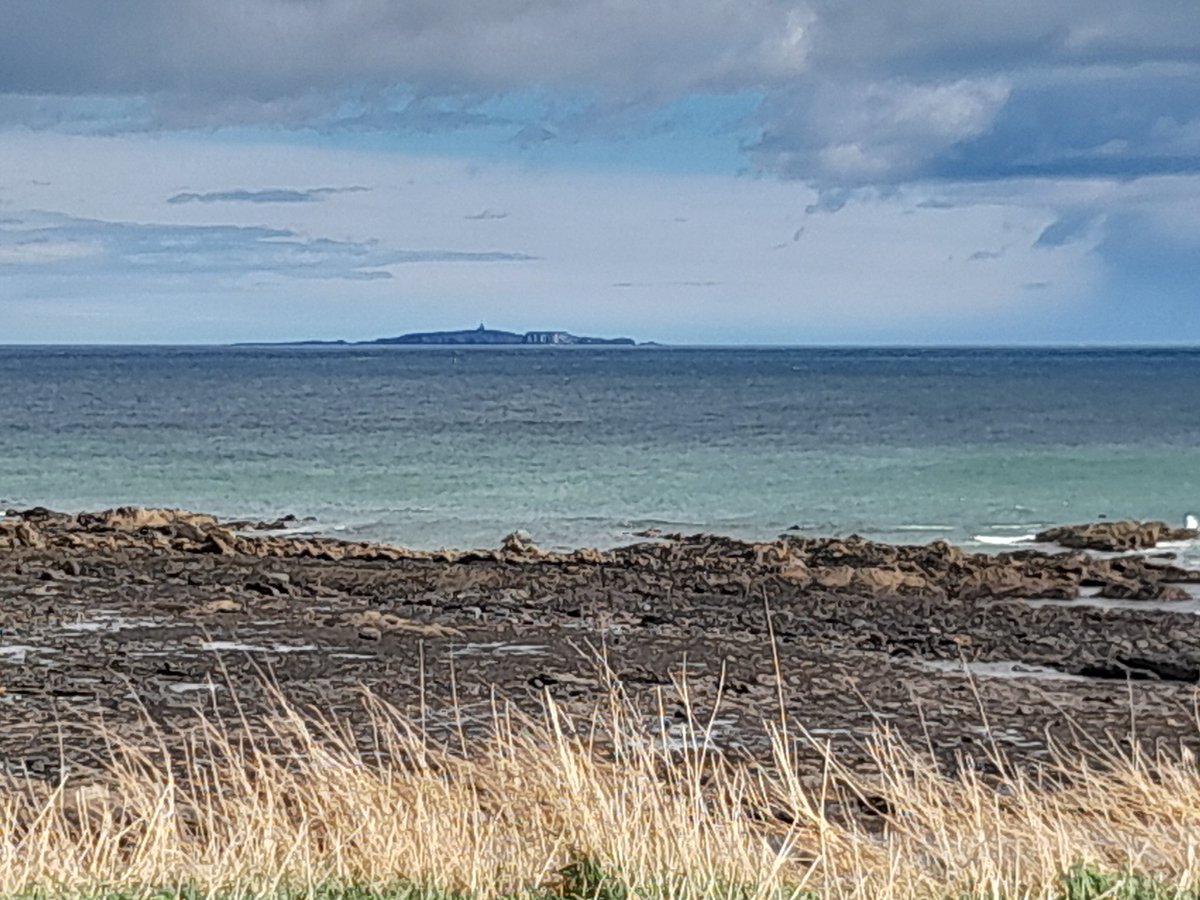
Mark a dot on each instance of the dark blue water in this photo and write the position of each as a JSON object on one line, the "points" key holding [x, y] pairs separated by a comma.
{"points": [[583, 445]]}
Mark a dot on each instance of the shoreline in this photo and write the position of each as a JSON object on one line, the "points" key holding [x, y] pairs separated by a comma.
{"points": [[159, 601], [875, 693], [621, 531]]}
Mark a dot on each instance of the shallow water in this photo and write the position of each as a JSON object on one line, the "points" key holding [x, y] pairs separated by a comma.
{"points": [[500, 648], [193, 687], [1191, 607], [241, 647], [451, 447], [1002, 669]]}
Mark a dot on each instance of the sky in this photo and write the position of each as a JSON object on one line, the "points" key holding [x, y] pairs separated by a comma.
{"points": [[685, 171]]}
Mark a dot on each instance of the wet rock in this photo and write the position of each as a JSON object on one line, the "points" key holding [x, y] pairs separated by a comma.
{"points": [[39, 514], [998, 582], [279, 524], [189, 531], [375, 621], [24, 534], [1121, 535], [854, 621], [519, 542], [271, 584], [220, 542], [1136, 669], [137, 518], [1130, 589], [219, 605]]}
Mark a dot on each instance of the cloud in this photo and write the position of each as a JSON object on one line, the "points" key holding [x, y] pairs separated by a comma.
{"points": [[90, 247], [665, 284], [280, 48], [872, 132], [851, 93], [533, 134], [487, 215], [1071, 227], [273, 195], [1088, 122]]}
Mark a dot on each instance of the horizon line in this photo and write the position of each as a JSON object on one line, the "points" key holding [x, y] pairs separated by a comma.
{"points": [[335, 343]]}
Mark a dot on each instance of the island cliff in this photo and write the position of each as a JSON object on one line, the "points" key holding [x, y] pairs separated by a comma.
{"points": [[482, 336]]}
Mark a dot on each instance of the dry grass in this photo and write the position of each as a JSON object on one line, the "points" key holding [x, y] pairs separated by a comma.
{"points": [[604, 807]]}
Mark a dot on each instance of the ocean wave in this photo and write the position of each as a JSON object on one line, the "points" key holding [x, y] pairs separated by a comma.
{"points": [[308, 528], [1003, 540], [1189, 544]]}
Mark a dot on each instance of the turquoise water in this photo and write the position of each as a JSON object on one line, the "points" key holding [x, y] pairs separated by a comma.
{"points": [[440, 447]]}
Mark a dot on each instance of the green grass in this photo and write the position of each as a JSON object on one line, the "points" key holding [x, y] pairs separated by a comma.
{"points": [[1085, 883], [399, 891], [581, 880], [586, 880]]}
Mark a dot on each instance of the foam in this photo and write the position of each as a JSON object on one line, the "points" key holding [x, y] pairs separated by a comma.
{"points": [[1003, 540]]}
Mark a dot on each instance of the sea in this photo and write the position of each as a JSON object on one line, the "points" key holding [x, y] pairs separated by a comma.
{"points": [[432, 447]]}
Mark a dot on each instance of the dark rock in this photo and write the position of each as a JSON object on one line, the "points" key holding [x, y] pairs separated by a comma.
{"points": [[1135, 669], [855, 624], [1128, 589], [1121, 535], [520, 542], [137, 518]]}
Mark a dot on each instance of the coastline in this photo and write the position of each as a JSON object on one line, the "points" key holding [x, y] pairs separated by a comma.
{"points": [[164, 602], [433, 449], [166, 671]]}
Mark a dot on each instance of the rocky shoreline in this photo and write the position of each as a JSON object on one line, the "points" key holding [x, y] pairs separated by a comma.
{"points": [[133, 611]]}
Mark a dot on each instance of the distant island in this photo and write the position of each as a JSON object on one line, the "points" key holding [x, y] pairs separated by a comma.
{"points": [[473, 336]]}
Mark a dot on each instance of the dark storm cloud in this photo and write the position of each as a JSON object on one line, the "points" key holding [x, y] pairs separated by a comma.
{"points": [[854, 92]]}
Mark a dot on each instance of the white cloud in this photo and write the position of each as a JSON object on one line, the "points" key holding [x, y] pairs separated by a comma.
{"points": [[91, 248], [862, 134], [42, 251], [668, 257], [855, 91]]}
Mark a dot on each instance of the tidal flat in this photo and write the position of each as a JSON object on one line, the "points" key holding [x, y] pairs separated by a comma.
{"points": [[823, 686], [132, 611]]}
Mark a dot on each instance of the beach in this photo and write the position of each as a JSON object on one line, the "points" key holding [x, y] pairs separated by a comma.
{"points": [[793, 621], [135, 611], [196, 704]]}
